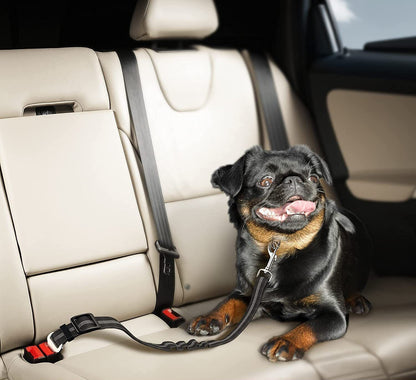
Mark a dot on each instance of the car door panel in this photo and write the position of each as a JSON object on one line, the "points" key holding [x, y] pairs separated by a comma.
{"points": [[364, 105]]}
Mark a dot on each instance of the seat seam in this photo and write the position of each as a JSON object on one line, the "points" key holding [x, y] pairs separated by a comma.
{"points": [[105, 84], [314, 367], [6, 195], [413, 371], [374, 355], [195, 197], [164, 93], [87, 264], [12, 364]]}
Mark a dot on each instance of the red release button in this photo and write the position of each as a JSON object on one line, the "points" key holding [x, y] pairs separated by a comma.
{"points": [[35, 352], [169, 314], [45, 349]]}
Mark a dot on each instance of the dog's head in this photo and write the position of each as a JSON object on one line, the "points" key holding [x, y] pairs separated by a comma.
{"points": [[280, 190]]}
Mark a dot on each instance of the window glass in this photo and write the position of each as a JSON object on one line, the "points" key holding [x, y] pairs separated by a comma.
{"points": [[362, 21]]}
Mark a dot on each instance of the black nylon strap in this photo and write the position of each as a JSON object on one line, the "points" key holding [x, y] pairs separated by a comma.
{"points": [[86, 323], [138, 116], [269, 101]]}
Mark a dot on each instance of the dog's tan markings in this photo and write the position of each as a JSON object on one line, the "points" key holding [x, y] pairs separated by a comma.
{"points": [[232, 311], [301, 336], [309, 300], [289, 243], [291, 345], [244, 210], [227, 314]]}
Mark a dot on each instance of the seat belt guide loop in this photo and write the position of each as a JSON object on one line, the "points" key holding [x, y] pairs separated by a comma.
{"points": [[171, 252]]}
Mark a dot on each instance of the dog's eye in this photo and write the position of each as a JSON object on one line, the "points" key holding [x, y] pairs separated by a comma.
{"points": [[314, 179], [266, 181]]}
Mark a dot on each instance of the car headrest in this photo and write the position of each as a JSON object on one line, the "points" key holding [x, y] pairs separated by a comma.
{"points": [[173, 19], [66, 79]]}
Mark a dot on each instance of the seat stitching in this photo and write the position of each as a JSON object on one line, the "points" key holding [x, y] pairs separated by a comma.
{"points": [[382, 366], [164, 93], [314, 367], [411, 372]]}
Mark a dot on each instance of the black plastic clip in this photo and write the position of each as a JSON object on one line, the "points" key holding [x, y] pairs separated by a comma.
{"points": [[166, 251], [79, 322]]}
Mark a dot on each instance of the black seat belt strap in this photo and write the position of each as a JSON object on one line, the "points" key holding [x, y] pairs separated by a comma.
{"points": [[268, 100], [164, 244]]}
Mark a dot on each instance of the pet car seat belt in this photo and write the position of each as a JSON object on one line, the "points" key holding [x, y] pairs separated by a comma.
{"points": [[267, 98], [50, 351], [164, 244]]}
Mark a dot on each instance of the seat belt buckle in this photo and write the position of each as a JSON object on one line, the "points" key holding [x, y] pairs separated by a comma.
{"points": [[41, 353], [171, 252], [171, 317]]}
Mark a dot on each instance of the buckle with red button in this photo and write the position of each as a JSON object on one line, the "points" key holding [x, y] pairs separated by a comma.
{"points": [[41, 353], [171, 317]]}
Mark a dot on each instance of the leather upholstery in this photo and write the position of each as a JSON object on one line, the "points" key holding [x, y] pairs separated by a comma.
{"points": [[3, 370], [16, 322], [91, 179], [51, 76], [203, 260], [372, 124], [72, 202], [161, 19], [107, 355], [79, 234], [121, 287], [183, 141]]}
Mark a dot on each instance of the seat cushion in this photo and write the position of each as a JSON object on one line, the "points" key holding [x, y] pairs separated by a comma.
{"points": [[368, 351]]}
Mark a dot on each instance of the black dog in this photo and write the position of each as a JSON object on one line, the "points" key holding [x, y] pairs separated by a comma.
{"points": [[277, 196]]}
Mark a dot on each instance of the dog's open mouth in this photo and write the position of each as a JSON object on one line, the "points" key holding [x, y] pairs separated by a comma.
{"points": [[295, 206]]}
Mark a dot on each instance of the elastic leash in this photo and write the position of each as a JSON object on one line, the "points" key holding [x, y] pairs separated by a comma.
{"points": [[85, 323]]}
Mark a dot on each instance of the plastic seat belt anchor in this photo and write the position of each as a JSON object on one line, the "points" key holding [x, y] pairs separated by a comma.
{"points": [[171, 317], [41, 353]]}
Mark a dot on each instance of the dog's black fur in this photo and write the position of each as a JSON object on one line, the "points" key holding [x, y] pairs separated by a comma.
{"points": [[322, 260]]}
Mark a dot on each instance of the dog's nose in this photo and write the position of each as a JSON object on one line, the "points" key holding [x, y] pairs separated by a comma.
{"points": [[292, 180]]}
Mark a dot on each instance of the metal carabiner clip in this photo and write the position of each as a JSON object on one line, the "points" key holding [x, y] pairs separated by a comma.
{"points": [[271, 249]]}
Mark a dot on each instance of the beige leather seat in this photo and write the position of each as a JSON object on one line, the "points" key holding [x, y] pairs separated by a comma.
{"points": [[76, 234]]}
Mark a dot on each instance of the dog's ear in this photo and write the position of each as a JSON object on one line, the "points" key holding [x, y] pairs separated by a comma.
{"points": [[325, 173], [229, 178], [318, 163]]}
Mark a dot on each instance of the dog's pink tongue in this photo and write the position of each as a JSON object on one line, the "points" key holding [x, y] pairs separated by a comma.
{"points": [[299, 207]]}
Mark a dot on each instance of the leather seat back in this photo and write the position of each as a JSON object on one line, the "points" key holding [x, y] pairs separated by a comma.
{"points": [[72, 206], [202, 114]]}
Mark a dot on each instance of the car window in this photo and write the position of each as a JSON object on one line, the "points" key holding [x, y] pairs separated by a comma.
{"points": [[362, 21]]}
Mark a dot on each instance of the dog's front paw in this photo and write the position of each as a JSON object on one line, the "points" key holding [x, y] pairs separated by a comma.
{"points": [[279, 348], [206, 325], [358, 304]]}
